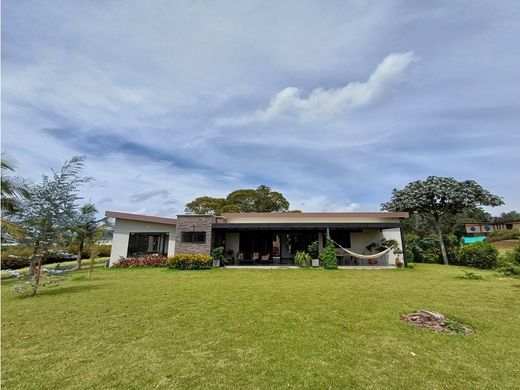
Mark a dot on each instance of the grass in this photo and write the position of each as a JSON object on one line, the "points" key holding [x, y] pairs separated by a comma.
{"points": [[505, 245], [156, 328]]}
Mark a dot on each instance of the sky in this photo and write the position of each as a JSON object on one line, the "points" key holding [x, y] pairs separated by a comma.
{"points": [[333, 103]]}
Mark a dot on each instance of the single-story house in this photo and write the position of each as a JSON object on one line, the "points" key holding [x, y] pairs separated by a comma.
{"points": [[261, 238]]}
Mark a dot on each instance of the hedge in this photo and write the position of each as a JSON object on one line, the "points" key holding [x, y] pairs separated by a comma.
{"points": [[190, 261], [142, 261]]}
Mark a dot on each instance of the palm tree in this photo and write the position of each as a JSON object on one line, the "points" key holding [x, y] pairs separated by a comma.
{"points": [[87, 228], [13, 188]]}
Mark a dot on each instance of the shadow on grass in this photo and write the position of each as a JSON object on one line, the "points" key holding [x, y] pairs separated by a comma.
{"points": [[58, 290]]}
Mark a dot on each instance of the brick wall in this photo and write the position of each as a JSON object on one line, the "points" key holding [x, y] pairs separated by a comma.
{"points": [[193, 223]]}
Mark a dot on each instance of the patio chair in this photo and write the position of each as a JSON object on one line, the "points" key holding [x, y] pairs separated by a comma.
{"points": [[255, 257], [265, 258], [240, 257]]}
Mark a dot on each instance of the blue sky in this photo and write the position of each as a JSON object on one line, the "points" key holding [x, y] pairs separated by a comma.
{"points": [[333, 104]]}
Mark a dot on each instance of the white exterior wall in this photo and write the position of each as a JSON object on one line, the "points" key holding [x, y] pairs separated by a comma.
{"points": [[233, 242], [360, 240], [123, 228], [394, 234]]}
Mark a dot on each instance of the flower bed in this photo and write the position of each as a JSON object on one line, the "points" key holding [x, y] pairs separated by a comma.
{"points": [[143, 261], [190, 261]]}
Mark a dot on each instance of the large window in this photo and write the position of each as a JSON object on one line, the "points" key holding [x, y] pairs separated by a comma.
{"points": [[140, 244], [193, 237]]}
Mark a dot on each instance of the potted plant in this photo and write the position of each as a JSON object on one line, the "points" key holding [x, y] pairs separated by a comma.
{"points": [[314, 252], [218, 256]]}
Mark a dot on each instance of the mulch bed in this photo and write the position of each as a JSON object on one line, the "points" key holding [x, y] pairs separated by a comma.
{"points": [[436, 322]]}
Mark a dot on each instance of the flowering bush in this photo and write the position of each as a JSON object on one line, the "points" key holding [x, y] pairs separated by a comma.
{"points": [[143, 261], [190, 261]]}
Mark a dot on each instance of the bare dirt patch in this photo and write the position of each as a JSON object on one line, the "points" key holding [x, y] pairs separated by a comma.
{"points": [[436, 322]]}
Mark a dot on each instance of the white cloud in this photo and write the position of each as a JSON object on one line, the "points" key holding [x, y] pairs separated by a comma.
{"points": [[321, 203], [145, 195], [327, 103]]}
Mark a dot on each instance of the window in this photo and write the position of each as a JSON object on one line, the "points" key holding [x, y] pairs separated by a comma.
{"points": [[193, 237], [140, 244]]}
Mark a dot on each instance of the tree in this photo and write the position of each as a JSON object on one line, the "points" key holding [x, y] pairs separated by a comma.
{"points": [[87, 227], [261, 200], [13, 190], [437, 197], [97, 234], [49, 214], [206, 205], [510, 216], [328, 257]]}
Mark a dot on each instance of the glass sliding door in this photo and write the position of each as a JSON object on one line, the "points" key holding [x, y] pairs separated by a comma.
{"points": [[141, 244]]}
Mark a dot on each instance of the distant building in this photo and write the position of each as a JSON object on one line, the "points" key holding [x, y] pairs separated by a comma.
{"points": [[489, 227]]}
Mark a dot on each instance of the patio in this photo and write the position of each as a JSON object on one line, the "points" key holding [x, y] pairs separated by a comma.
{"points": [[274, 247]]}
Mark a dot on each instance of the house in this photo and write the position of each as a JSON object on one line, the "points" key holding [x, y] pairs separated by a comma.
{"points": [[258, 238]]}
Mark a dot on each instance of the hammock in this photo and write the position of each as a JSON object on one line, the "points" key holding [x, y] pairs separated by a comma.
{"points": [[360, 256]]}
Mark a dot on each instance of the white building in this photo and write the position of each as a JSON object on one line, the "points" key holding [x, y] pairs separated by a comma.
{"points": [[262, 238]]}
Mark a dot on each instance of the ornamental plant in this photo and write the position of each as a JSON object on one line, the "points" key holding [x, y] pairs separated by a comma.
{"points": [[302, 259], [314, 249], [142, 261], [218, 254], [190, 261], [328, 256]]}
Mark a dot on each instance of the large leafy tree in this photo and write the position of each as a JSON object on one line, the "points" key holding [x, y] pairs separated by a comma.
{"points": [[262, 199], [206, 205], [438, 197], [49, 215]]}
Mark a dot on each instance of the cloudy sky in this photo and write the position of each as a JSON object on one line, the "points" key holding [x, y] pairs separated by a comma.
{"points": [[331, 103]]}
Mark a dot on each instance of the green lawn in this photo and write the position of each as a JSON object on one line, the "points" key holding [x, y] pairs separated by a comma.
{"points": [[156, 328]]}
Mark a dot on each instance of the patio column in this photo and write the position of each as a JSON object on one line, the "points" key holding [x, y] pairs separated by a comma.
{"points": [[403, 243]]}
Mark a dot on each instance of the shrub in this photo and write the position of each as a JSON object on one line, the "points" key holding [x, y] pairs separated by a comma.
{"points": [[16, 257], [427, 250], [14, 262], [409, 255], [303, 259], [104, 250], [478, 255], [142, 261], [509, 262], [190, 261], [328, 256], [218, 254], [470, 275], [510, 269], [516, 254], [314, 249]]}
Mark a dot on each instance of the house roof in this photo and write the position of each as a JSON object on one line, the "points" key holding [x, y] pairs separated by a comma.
{"points": [[295, 216], [363, 214], [139, 217]]}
